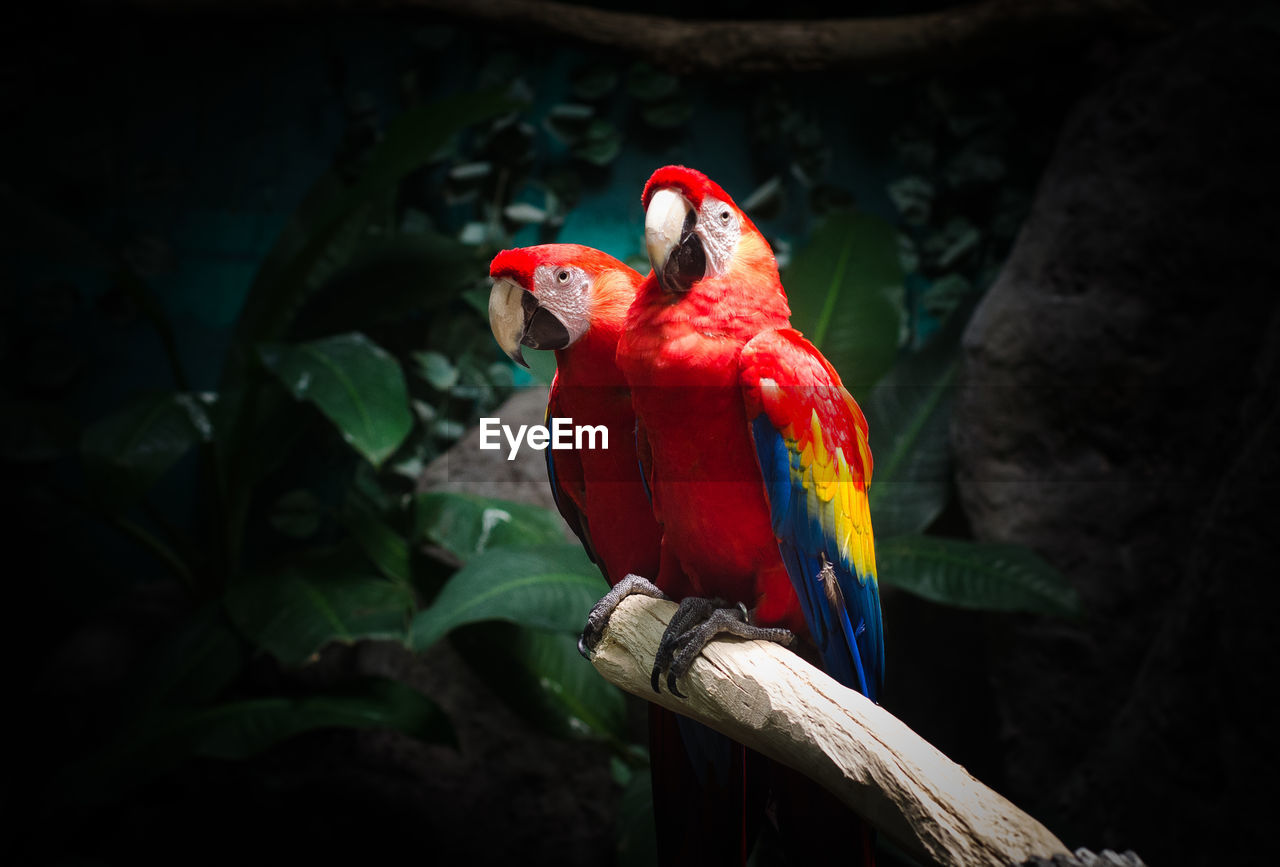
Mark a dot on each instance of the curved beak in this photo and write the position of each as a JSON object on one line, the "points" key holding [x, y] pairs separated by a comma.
{"points": [[675, 250], [506, 318], [517, 319]]}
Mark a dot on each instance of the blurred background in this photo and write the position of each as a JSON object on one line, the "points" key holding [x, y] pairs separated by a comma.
{"points": [[270, 600]]}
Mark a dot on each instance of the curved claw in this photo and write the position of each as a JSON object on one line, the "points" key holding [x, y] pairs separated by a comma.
{"points": [[694, 625], [600, 613], [692, 611]]}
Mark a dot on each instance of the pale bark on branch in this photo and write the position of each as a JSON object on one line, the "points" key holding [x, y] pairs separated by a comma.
{"points": [[911, 43], [770, 699]]}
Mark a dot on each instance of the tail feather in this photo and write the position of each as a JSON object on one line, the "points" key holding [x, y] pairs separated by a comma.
{"points": [[715, 800], [708, 793], [812, 825]]}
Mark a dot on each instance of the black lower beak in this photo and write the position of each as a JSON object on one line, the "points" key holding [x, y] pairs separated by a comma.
{"points": [[542, 330], [686, 265]]}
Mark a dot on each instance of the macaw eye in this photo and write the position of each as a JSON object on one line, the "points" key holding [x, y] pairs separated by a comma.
{"points": [[562, 275], [724, 216]]}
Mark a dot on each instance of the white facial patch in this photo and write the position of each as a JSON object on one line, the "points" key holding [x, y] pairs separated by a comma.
{"points": [[566, 292], [720, 228]]}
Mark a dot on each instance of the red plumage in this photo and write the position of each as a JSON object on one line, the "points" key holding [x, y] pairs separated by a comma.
{"points": [[720, 385], [599, 491], [681, 359]]}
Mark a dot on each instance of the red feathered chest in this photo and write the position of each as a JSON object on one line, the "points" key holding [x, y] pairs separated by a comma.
{"points": [[682, 360]]}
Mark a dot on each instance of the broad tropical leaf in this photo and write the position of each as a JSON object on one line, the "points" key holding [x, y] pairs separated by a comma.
{"points": [[240, 729], [385, 548], [839, 286], [466, 525], [982, 575], [541, 676], [549, 587], [295, 612], [129, 450], [358, 385], [163, 738], [908, 416], [410, 141]]}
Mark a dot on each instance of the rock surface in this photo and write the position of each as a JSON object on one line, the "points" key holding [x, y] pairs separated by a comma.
{"points": [[1119, 413], [467, 468]]}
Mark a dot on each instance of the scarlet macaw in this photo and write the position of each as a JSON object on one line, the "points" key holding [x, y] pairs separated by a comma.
{"points": [[574, 300], [756, 456]]}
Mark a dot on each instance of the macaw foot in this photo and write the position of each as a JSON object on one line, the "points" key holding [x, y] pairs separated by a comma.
{"points": [[694, 624], [603, 610]]}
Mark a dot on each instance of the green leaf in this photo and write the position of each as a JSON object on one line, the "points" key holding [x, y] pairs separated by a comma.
{"points": [[982, 575], [600, 145], [947, 247], [945, 295], [913, 197], [648, 84], [838, 285], [191, 666], [385, 277], [129, 450], [549, 587], [573, 700], [569, 122], [241, 729], [296, 611], [668, 113], [467, 525], [385, 548], [908, 416], [637, 834], [163, 738], [354, 382], [541, 676], [436, 369], [478, 300], [410, 141], [593, 82], [909, 419]]}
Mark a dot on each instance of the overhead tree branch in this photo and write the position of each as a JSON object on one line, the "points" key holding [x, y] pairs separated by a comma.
{"points": [[932, 40], [768, 698]]}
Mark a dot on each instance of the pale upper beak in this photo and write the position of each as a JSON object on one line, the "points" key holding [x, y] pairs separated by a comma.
{"points": [[507, 317], [675, 251], [518, 319]]}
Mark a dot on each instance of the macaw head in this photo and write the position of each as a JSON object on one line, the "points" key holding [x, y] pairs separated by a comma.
{"points": [[693, 231], [550, 296]]}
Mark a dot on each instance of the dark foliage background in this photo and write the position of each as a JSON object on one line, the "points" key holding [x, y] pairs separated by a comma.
{"points": [[179, 223]]}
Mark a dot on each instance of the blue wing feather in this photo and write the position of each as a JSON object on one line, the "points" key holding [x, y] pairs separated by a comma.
{"points": [[848, 636]]}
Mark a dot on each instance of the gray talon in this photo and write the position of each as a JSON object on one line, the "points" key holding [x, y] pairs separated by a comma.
{"points": [[603, 610], [694, 625]]}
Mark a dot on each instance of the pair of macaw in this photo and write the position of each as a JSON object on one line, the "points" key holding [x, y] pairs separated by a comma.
{"points": [[736, 478]]}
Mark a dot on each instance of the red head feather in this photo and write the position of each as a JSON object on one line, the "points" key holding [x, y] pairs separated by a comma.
{"points": [[694, 186], [691, 183], [519, 264]]}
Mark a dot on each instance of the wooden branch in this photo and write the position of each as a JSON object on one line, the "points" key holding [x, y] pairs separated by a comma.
{"points": [[768, 698], [914, 43]]}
